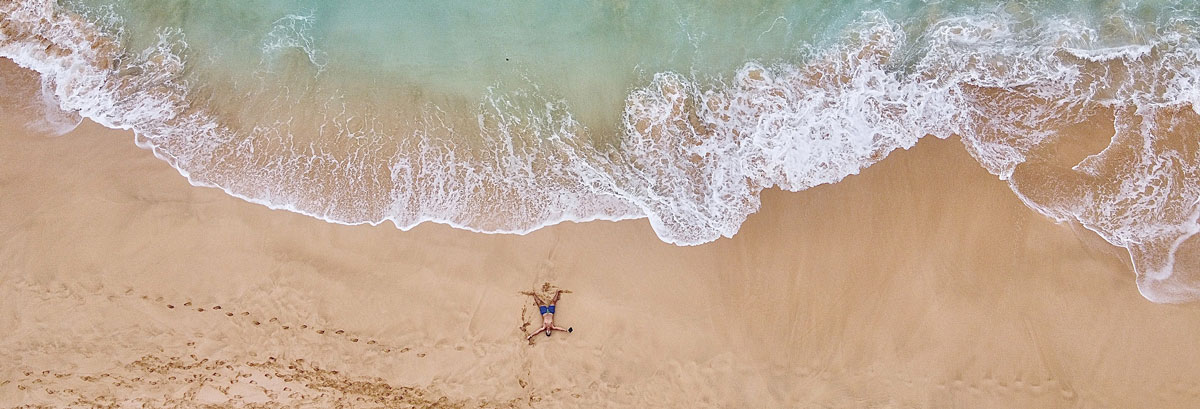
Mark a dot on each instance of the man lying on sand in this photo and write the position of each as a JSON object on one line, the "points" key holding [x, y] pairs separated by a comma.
{"points": [[547, 311]]}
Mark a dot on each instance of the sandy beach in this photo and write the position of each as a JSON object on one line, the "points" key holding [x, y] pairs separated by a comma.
{"points": [[921, 283]]}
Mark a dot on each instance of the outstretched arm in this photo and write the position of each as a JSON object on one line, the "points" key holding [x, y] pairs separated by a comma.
{"points": [[539, 331], [561, 329]]}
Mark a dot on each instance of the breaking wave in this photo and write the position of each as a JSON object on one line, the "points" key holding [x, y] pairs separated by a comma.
{"points": [[691, 154]]}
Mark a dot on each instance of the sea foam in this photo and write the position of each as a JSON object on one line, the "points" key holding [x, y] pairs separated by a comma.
{"points": [[692, 153]]}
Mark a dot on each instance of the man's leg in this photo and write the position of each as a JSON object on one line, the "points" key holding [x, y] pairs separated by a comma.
{"points": [[555, 299]]}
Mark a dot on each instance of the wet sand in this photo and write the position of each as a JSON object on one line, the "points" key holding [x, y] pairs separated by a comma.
{"points": [[922, 282]]}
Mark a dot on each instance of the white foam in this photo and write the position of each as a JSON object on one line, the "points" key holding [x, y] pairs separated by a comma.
{"points": [[294, 31], [695, 153], [704, 154]]}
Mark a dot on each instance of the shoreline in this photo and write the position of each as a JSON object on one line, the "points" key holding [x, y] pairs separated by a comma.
{"points": [[922, 282]]}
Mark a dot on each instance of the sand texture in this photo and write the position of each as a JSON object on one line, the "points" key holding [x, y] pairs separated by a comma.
{"points": [[921, 283]]}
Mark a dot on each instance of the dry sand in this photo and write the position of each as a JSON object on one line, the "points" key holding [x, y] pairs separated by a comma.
{"points": [[923, 282]]}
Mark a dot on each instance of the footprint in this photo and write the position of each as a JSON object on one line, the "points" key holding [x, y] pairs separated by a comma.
{"points": [[288, 327]]}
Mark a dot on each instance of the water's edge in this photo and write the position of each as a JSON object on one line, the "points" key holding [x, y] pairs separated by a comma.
{"points": [[693, 154]]}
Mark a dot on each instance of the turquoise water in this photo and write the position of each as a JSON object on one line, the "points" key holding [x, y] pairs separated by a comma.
{"points": [[507, 116], [586, 54], [589, 54]]}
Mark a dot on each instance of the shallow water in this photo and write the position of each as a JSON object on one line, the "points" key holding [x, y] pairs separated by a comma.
{"points": [[510, 116]]}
